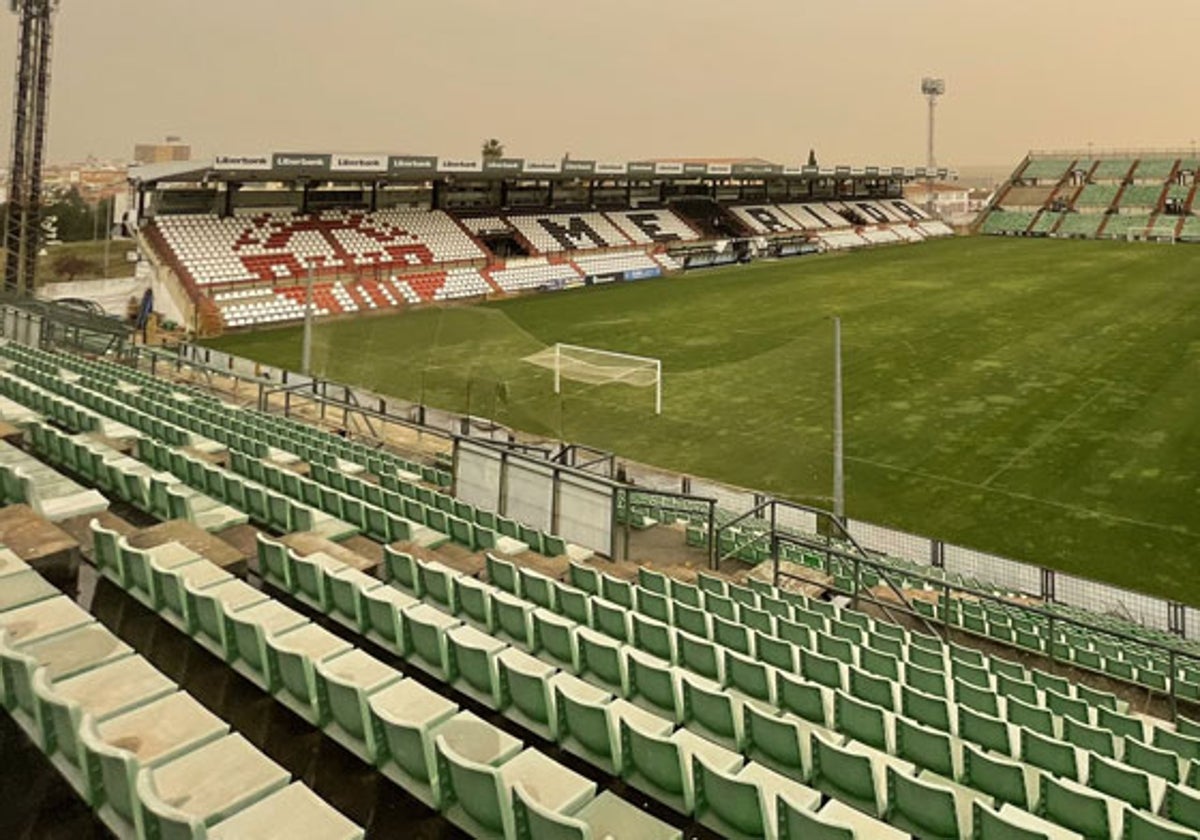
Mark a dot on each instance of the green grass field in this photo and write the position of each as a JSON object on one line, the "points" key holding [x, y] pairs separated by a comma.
{"points": [[1034, 399]]}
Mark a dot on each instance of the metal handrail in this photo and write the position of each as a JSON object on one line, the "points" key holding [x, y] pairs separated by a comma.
{"points": [[1173, 652]]}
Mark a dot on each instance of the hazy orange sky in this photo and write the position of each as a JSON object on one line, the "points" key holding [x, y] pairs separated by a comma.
{"points": [[616, 79]]}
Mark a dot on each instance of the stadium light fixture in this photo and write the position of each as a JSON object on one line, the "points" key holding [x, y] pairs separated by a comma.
{"points": [[931, 88]]}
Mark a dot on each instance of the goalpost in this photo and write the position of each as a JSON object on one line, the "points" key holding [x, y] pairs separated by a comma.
{"points": [[600, 367]]}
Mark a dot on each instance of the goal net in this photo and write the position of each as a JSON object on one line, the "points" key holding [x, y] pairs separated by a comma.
{"points": [[600, 367]]}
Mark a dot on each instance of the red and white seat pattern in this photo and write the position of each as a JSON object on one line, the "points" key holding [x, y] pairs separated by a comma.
{"points": [[451, 285], [270, 246]]}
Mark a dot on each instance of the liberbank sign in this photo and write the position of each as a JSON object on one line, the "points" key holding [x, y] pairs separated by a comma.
{"points": [[313, 166]]}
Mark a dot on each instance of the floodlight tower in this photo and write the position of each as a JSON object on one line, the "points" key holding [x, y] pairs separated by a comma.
{"points": [[31, 94], [932, 88]]}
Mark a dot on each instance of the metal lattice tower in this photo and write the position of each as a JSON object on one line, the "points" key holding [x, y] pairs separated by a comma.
{"points": [[31, 94], [931, 88]]}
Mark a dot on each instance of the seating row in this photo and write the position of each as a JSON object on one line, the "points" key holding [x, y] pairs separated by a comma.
{"points": [[478, 776], [150, 759], [1039, 755]]}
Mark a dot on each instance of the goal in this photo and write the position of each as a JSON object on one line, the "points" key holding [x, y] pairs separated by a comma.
{"points": [[600, 367]]}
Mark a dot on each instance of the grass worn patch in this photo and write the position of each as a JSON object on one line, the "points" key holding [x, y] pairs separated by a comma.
{"points": [[1034, 399]]}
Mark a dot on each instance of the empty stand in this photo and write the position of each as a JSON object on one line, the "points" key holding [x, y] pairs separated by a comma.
{"points": [[550, 232], [652, 227], [268, 247]]}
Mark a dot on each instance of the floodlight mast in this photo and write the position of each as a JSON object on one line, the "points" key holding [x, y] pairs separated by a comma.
{"points": [[932, 88], [31, 94]]}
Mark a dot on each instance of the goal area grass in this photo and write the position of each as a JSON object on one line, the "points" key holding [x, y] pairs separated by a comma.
{"points": [[1034, 399]]}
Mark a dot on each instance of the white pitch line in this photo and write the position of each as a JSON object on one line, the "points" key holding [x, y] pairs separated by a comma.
{"points": [[1045, 436], [1174, 529]]}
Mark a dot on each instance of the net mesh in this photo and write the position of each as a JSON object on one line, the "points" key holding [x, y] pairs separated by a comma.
{"points": [[596, 367]]}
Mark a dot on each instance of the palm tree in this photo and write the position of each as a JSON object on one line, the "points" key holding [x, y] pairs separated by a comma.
{"points": [[492, 149]]}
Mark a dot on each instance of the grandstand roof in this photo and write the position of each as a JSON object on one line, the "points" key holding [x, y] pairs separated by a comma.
{"points": [[358, 168]]}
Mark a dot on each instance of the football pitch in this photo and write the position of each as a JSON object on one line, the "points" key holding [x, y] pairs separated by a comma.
{"points": [[1034, 399]]}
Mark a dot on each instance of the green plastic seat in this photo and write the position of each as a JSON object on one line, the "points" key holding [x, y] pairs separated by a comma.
{"points": [[925, 680], [775, 741], [1035, 718], [823, 670], [575, 604], [111, 689], [601, 660], [660, 766], [653, 605], [513, 618], [438, 584], [401, 569], [537, 588], [424, 632], [344, 685], [611, 619], [843, 774], [982, 700], [180, 798], [926, 709], [692, 620], [804, 699], [864, 722], [250, 628], [989, 732], [555, 640], [381, 608], [927, 748], [653, 637], [654, 684], [742, 804], [923, 808], [292, 660], [584, 577], [1182, 745], [1002, 825], [1089, 738], [752, 678], [605, 816], [405, 717], [525, 690], [776, 652], [477, 796], [878, 691], [503, 575], [1050, 754], [1182, 805], [617, 591], [1140, 825], [156, 733], [1154, 761], [999, 778], [700, 656], [706, 707], [471, 663], [586, 726], [1074, 807], [1120, 781], [474, 601]]}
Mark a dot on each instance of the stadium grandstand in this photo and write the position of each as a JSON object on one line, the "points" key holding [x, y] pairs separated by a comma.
{"points": [[1129, 195], [236, 240], [527, 645]]}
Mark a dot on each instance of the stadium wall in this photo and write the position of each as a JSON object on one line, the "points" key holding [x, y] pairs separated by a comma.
{"points": [[1036, 582]]}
